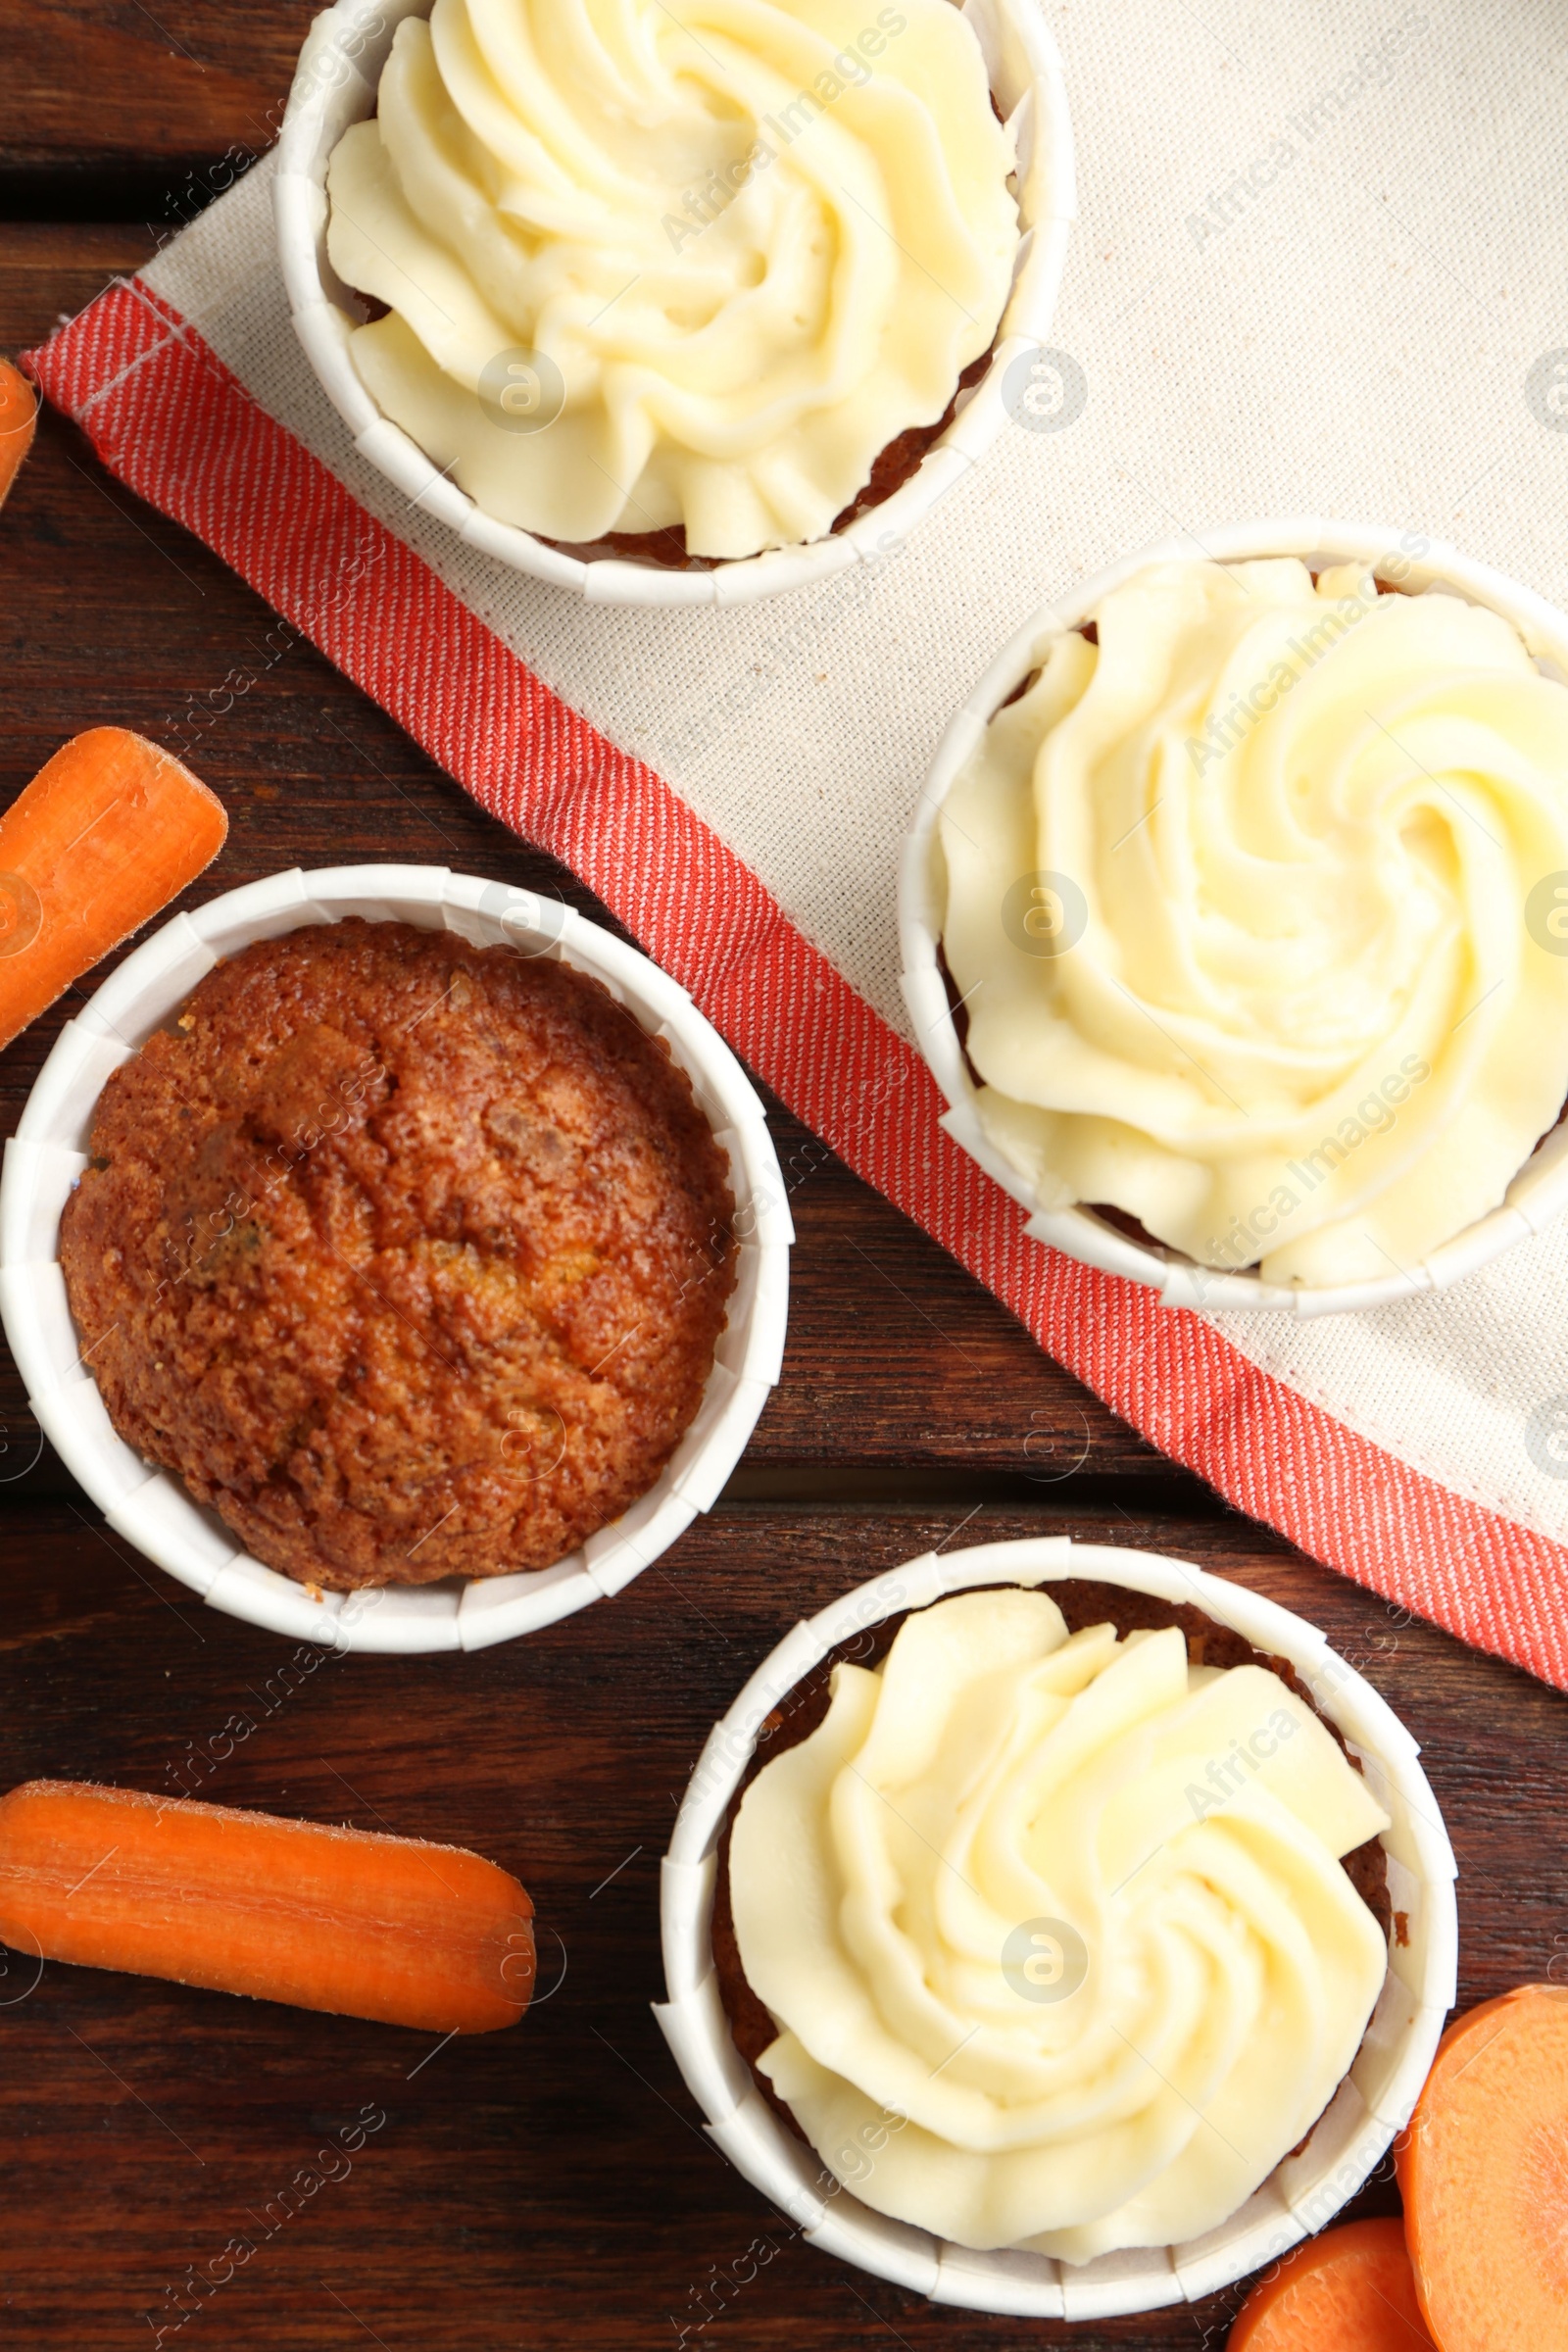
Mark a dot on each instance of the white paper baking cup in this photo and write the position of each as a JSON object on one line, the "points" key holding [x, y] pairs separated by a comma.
{"points": [[151, 1508], [334, 87], [1536, 1195], [1301, 2194]]}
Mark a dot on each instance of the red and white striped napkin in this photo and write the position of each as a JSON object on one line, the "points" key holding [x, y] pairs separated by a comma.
{"points": [[1305, 281]]}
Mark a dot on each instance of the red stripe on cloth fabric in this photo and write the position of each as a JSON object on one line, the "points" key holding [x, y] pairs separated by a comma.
{"points": [[173, 423]]}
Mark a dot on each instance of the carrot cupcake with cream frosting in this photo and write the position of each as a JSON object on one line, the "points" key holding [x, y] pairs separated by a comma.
{"points": [[1059, 1939], [1249, 900], [647, 272]]}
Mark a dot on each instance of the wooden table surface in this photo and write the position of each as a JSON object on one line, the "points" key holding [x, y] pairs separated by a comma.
{"points": [[550, 2185]]}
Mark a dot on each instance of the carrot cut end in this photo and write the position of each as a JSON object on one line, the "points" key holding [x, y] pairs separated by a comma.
{"points": [[19, 421], [109, 831], [1484, 2173], [1350, 2290]]}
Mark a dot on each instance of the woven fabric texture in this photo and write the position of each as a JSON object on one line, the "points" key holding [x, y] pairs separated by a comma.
{"points": [[1305, 280]]}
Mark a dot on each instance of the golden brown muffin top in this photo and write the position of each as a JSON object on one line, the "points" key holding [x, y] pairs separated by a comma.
{"points": [[407, 1257]]}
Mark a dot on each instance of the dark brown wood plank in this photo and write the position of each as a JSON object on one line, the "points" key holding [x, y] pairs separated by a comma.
{"points": [[50, 270], [897, 1356], [549, 2186], [170, 88]]}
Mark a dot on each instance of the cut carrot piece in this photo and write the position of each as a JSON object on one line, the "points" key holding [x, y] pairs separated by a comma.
{"points": [[19, 420], [1483, 2174], [106, 834], [1351, 2290], [344, 1920]]}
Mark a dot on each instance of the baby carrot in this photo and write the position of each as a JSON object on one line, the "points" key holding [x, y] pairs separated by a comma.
{"points": [[106, 834], [342, 1920], [19, 418]]}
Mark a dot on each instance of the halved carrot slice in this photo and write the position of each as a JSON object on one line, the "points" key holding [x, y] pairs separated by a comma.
{"points": [[344, 1920], [19, 421], [1350, 2290], [106, 834], [1483, 2174]]}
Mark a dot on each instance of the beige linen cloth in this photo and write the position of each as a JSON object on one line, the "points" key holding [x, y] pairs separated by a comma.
{"points": [[1318, 269]]}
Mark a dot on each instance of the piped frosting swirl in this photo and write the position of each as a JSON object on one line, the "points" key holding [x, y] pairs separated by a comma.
{"points": [[1055, 1929], [1244, 904], [648, 267]]}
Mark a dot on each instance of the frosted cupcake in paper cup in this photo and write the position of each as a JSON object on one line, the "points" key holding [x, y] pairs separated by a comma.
{"points": [[1245, 897], [1066, 1915], [706, 271], [1057, 1930]]}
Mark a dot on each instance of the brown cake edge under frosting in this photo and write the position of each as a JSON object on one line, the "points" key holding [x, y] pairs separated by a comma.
{"points": [[894, 464], [1083, 1601]]}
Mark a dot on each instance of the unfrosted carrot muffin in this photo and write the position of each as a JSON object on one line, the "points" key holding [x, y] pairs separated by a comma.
{"points": [[407, 1257]]}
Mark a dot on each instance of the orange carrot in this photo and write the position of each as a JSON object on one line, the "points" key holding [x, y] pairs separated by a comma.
{"points": [[1349, 2291], [344, 1920], [1483, 2174], [106, 834], [18, 420]]}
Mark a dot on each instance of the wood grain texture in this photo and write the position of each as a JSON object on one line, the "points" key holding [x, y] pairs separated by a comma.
{"points": [[897, 1356], [95, 82], [49, 270], [549, 2186]]}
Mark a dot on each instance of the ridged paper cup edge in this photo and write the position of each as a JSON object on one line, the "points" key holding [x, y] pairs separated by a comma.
{"points": [[1120, 2284], [152, 1510]]}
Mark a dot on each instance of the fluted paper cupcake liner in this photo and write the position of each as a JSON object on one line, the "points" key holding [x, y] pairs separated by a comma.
{"points": [[1536, 1195], [1373, 2102], [150, 1507], [335, 87]]}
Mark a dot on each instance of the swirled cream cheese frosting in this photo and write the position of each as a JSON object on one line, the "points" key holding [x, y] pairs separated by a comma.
{"points": [[652, 265], [1055, 1929], [1239, 902]]}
